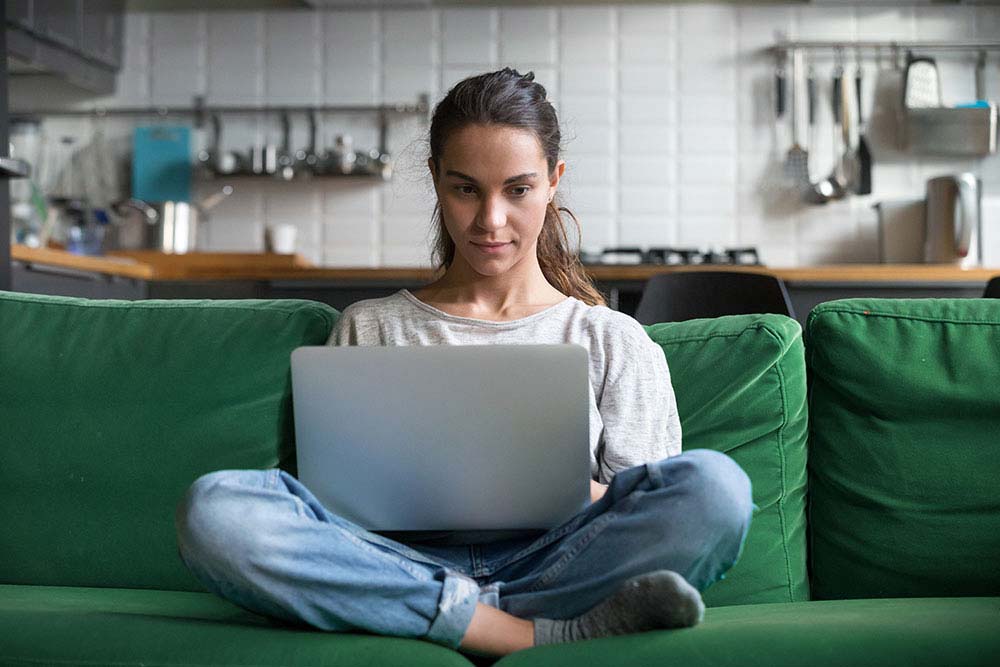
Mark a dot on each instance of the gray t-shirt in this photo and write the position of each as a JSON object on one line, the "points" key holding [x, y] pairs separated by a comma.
{"points": [[633, 411]]}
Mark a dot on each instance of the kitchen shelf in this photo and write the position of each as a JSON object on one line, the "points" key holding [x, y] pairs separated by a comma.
{"points": [[200, 111]]}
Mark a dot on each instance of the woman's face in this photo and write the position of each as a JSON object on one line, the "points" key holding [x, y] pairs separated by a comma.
{"points": [[493, 186]]}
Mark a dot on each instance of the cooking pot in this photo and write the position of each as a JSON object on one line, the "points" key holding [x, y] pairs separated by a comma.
{"points": [[170, 226]]}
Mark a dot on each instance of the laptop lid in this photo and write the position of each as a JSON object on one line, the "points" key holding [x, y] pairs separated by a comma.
{"points": [[448, 437]]}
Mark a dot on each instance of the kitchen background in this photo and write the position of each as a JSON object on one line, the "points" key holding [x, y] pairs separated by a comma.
{"points": [[667, 110]]}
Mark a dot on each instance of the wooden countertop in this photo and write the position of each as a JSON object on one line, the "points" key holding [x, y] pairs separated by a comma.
{"points": [[149, 265]]}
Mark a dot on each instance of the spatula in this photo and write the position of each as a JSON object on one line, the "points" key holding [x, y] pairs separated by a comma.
{"points": [[797, 158]]}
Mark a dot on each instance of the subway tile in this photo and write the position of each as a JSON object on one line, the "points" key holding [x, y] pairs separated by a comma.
{"points": [[587, 80], [586, 109], [236, 224], [657, 20], [409, 38], [592, 199], [404, 84], [351, 85], [639, 199], [528, 35], [350, 199], [886, 23], [587, 49], [647, 170], [351, 39], [642, 48], [348, 230], [708, 79], [588, 139], [647, 109], [235, 58], [292, 57], [945, 23], [706, 170], [697, 200], [707, 109], [596, 230], [469, 36], [826, 23], [708, 140], [706, 33], [647, 140], [589, 171], [177, 63], [587, 20], [405, 197], [647, 230], [648, 79], [757, 26]]}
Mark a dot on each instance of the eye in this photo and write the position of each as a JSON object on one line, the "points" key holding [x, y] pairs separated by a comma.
{"points": [[466, 189], [520, 190]]}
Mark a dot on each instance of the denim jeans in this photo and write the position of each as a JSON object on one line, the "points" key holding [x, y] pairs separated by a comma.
{"points": [[260, 539]]}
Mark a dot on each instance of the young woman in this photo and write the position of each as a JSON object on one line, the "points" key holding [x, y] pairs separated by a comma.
{"points": [[663, 525]]}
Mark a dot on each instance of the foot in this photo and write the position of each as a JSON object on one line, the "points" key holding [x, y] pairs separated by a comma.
{"points": [[654, 601]]}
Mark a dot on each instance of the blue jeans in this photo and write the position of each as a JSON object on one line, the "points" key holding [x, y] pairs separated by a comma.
{"points": [[260, 539]]}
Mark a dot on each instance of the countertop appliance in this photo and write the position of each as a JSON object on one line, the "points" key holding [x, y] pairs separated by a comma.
{"points": [[954, 220], [747, 256], [943, 228]]}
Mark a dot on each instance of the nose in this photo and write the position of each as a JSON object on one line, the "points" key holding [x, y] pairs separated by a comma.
{"points": [[492, 213]]}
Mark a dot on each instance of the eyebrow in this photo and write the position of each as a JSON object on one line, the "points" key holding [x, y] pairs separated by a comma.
{"points": [[458, 174]]}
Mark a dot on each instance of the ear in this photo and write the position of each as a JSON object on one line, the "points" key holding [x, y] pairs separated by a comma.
{"points": [[557, 174], [433, 168]]}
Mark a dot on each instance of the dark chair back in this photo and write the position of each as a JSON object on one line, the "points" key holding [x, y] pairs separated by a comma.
{"points": [[992, 288], [688, 295]]}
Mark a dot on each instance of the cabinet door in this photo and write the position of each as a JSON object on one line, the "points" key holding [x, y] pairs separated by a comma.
{"points": [[60, 21], [102, 31]]}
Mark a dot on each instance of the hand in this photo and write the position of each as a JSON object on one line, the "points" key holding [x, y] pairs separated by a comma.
{"points": [[597, 491]]}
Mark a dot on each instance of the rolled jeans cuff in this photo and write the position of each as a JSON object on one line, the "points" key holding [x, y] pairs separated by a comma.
{"points": [[458, 602]]}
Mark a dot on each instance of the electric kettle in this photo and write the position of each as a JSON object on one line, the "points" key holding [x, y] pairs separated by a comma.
{"points": [[953, 220]]}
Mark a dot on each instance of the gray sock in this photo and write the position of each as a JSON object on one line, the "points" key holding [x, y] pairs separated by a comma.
{"points": [[658, 600]]}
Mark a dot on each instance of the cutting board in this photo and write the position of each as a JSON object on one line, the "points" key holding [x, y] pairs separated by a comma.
{"points": [[161, 163]]}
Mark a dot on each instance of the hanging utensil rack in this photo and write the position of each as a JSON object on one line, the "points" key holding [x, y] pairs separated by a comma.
{"points": [[201, 112], [782, 47]]}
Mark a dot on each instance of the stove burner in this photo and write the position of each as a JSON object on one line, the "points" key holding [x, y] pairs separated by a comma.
{"points": [[672, 256]]}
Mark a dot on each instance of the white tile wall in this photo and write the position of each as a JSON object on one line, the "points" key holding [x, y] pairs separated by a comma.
{"points": [[667, 112]]}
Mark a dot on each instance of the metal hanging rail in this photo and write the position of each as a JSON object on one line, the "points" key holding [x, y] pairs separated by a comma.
{"points": [[783, 47], [931, 46], [201, 112]]}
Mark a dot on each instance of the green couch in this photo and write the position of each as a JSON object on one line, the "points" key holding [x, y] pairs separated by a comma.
{"points": [[110, 409]]}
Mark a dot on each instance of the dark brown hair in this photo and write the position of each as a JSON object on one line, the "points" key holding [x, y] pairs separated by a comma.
{"points": [[506, 97]]}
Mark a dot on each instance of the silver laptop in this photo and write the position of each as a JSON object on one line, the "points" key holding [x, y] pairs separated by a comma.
{"points": [[449, 437]]}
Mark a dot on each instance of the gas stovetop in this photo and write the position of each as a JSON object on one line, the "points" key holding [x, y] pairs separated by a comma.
{"points": [[671, 256]]}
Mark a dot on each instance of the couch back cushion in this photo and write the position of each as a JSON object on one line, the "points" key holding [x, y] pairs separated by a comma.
{"points": [[741, 389], [904, 447], [110, 409]]}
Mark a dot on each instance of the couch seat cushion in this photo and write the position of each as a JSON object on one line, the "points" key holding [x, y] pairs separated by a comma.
{"points": [[740, 383], [110, 409], [958, 632], [904, 447], [112, 626]]}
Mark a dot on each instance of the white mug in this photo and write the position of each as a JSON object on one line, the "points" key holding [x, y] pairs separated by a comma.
{"points": [[281, 239]]}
